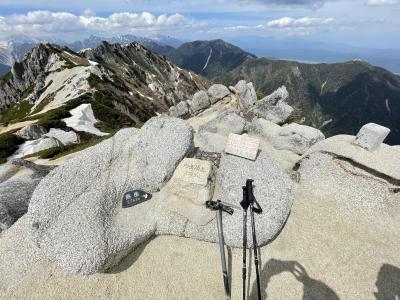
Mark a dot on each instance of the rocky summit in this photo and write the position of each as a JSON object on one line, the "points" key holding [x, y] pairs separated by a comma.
{"points": [[132, 201]]}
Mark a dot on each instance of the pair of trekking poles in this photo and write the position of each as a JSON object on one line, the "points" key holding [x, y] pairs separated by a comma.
{"points": [[249, 201]]}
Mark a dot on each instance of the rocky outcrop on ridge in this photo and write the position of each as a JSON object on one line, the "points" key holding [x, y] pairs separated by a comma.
{"points": [[18, 180]]}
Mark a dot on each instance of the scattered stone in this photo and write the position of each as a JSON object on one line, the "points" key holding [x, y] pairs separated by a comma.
{"points": [[247, 95], [173, 112], [190, 187], [371, 136], [297, 138], [18, 180], [264, 128], [273, 189], [273, 107], [199, 102], [65, 137], [277, 113], [182, 109], [217, 92], [76, 212], [280, 95], [31, 132], [30, 147], [225, 123], [212, 136]]}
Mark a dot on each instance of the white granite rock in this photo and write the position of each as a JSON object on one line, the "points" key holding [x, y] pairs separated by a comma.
{"points": [[18, 180], [31, 132], [297, 138], [247, 95], [65, 137], [212, 136], [199, 102], [210, 142], [273, 189], [281, 94], [182, 108], [225, 123], [264, 128], [217, 92], [76, 212], [385, 160], [277, 113], [173, 112], [371, 136]]}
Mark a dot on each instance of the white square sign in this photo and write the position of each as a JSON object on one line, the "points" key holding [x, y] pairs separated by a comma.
{"points": [[242, 145]]}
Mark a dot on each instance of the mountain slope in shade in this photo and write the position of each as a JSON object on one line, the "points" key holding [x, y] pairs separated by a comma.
{"points": [[336, 98], [209, 58]]}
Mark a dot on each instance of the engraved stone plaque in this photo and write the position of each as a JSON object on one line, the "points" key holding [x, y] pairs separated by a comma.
{"points": [[242, 145]]}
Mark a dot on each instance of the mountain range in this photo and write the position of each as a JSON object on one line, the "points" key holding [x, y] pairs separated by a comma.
{"points": [[15, 48], [336, 98]]}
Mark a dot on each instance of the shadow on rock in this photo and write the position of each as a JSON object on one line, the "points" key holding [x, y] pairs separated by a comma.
{"points": [[312, 288], [131, 257], [388, 283]]}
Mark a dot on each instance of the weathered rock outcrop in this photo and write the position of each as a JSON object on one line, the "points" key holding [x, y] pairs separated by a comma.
{"points": [[200, 101], [297, 138], [371, 136], [383, 162], [31, 132], [65, 137], [247, 95], [211, 137], [76, 211], [273, 189], [264, 128], [217, 92], [273, 107], [18, 180]]}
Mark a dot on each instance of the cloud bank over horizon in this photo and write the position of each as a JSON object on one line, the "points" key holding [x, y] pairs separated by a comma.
{"points": [[361, 22]]}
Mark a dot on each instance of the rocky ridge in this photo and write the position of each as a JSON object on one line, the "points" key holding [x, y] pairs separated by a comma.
{"points": [[90, 186]]}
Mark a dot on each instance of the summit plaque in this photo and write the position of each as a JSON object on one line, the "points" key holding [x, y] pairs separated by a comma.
{"points": [[242, 145]]}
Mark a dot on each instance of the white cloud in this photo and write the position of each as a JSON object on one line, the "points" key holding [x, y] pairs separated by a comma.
{"points": [[42, 23], [286, 22], [383, 2]]}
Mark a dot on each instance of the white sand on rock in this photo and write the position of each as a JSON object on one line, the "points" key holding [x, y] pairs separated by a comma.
{"points": [[341, 256]]}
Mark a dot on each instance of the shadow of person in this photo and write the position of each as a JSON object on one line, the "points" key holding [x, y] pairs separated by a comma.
{"points": [[388, 283], [312, 288]]}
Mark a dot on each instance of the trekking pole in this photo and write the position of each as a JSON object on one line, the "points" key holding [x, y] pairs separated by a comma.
{"points": [[219, 207], [251, 199], [245, 205]]}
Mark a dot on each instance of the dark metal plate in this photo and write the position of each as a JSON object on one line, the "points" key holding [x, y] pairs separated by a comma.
{"points": [[135, 197]]}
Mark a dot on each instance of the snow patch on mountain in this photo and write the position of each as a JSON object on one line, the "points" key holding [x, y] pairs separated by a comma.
{"points": [[83, 119]]}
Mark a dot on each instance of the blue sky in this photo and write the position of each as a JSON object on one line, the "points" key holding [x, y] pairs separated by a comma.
{"points": [[365, 23]]}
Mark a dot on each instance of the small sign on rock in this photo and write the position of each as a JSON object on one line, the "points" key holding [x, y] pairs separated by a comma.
{"points": [[242, 145]]}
